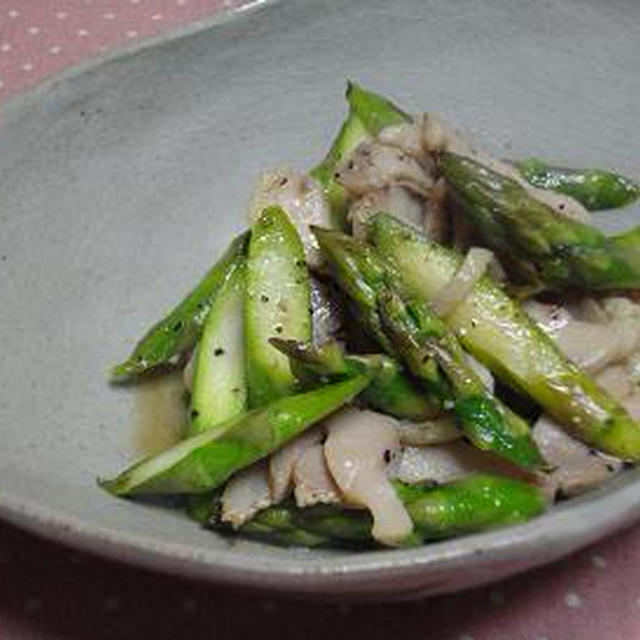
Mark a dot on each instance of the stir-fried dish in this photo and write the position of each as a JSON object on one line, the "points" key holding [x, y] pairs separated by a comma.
{"points": [[412, 341]]}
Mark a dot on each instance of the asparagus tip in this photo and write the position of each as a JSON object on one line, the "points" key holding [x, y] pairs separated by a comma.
{"points": [[114, 486]]}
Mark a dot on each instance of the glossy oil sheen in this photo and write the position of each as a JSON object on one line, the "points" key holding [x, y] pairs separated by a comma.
{"points": [[121, 183]]}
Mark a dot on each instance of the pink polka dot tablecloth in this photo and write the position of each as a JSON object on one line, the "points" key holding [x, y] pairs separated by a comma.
{"points": [[51, 592]]}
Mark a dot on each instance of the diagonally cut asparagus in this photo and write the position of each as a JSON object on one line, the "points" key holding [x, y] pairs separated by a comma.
{"points": [[391, 391], [204, 461], [277, 303], [219, 381], [542, 247], [496, 331], [489, 424], [177, 332], [596, 189]]}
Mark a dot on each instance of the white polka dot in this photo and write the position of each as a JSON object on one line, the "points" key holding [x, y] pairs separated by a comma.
{"points": [[131, 33], [61, 15], [34, 31], [13, 13], [181, 3], [189, 605], [27, 66], [268, 606], [4, 47], [55, 50], [134, 1], [82, 33], [572, 600], [497, 596], [598, 561], [109, 15], [31, 605], [157, 16], [111, 604]]}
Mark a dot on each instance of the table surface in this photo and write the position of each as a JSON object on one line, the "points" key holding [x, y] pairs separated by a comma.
{"points": [[48, 591]]}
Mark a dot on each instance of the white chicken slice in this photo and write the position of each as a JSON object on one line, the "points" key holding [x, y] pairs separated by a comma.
{"points": [[303, 201], [246, 493], [439, 136], [375, 166], [435, 221], [591, 345], [632, 404], [312, 479], [406, 136], [189, 371], [577, 468], [446, 462], [357, 451], [283, 462], [430, 432], [398, 201]]}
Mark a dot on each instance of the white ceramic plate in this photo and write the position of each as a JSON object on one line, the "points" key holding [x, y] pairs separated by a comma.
{"points": [[121, 182]]}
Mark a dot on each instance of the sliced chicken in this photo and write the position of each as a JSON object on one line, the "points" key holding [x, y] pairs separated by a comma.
{"points": [[446, 462], [375, 166], [283, 462], [462, 283], [327, 314], [632, 404], [246, 493], [313, 481], [406, 136], [357, 450], [439, 136], [420, 434], [303, 201], [591, 345], [616, 381], [577, 468], [189, 370], [398, 201], [435, 221]]}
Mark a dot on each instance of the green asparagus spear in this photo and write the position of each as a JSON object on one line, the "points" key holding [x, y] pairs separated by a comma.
{"points": [[374, 111], [177, 332], [219, 380], [351, 134], [369, 113], [540, 246], [594, 188], [361, 274], [475, 503], [391, 391], [204, 461], [277, 303], [628, 244], [482, 417], [277, 525], [495, 330]]}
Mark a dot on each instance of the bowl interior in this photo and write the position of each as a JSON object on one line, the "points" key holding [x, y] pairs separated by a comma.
{"points": [[121, 184]]}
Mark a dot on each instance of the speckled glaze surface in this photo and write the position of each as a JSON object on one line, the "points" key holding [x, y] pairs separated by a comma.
{"points": [[121, 182]]}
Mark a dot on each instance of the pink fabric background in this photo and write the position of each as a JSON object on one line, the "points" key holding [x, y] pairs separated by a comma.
{"points": [[48, 591]]}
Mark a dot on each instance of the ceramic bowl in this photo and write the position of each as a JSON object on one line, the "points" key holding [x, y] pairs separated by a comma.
{"points": [[121, 181]]}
